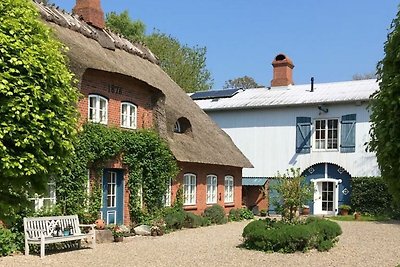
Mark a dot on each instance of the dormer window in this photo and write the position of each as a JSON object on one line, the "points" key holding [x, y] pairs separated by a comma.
{"points": [[182, 125], [128, 115], [98, 109]]}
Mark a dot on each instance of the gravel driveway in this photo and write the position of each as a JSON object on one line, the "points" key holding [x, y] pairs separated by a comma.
{"points": [[361, 244]]}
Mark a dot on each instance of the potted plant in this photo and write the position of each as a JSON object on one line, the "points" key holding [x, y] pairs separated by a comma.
{"points": [[305, 210], [67, 230], [118, 233], [263, 213], [344, 209]]}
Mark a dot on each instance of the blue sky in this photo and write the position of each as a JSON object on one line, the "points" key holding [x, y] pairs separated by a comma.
{"points": [[330, 40]]}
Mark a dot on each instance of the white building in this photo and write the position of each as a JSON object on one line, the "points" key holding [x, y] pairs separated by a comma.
{"points": [[320, 128]]}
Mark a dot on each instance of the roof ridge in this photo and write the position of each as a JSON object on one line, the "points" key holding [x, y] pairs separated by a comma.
{"points": [[105, 37]]}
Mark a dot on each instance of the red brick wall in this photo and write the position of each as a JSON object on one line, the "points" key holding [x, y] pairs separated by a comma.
{"points": [[201, 171], [252, 196], [131, 90]]}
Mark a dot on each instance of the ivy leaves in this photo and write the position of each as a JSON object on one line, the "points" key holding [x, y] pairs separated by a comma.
{"points": [[38, 114]]}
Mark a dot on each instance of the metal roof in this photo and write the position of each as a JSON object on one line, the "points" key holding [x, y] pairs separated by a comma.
{"points": [[254, 181], [294, 95]]}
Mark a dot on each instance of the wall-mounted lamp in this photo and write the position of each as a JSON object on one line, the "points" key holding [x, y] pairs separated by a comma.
{"points": [[323, 109]]}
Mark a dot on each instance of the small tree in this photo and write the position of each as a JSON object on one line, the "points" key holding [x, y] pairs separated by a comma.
{"points": [[293, 192], [244, 82]]}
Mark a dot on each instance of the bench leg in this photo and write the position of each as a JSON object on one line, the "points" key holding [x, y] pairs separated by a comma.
{"points": [[42, 246], [26, 247]]}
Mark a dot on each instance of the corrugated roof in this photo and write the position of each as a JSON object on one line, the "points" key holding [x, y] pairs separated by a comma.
{"points": [[294, 95], [254, 181]]}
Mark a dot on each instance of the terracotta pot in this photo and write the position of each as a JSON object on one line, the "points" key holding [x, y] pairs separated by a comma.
{"points": [[344, 212], [357, 216], [100, 224], [306, 211], [118, 238]]}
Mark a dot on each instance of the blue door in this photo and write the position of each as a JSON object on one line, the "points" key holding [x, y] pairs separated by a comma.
{"points": [[113, 196]]}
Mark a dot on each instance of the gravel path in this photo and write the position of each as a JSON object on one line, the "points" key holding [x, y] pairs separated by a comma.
{"points": [[361, 244]]}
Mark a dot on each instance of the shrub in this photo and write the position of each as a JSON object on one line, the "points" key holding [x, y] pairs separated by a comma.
{"points": [[263, 213], [234, 215], [215, 213], [240, 214], [174, 219], [370, 195], [192, 220], [280, 236], [7, 242]]}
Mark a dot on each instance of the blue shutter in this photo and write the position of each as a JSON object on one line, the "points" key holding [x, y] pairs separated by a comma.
{"points": [[348, 134], [303, 135]]}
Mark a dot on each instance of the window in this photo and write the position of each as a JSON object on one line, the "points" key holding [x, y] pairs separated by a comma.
{"points": [[98, 109], [46, 200], [167, 196], [189, 189], [211, 189], [228, 189], [326, 134], [182, 125], [128, 115]]}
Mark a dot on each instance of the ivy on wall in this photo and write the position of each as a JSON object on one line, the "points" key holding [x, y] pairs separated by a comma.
{"points": [[147, 157]]}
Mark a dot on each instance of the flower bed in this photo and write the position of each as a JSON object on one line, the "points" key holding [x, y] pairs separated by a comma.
{"points": [[279, 236]]}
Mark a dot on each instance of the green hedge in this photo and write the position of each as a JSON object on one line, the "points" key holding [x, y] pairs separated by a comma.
{"points": [[278, 236], [240, 214], [370, 195], [7, 242], [216, 214]]}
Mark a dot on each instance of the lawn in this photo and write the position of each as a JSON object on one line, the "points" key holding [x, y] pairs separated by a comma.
{"points": [[364, 217]]}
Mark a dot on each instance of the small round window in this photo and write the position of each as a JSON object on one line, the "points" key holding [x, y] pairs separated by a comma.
{"points": [[182, 125]]}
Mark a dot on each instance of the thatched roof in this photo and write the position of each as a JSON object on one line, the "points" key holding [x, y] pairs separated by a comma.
{"points": [[91, 48]]}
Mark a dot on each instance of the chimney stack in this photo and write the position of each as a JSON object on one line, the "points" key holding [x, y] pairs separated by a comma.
{"points": [[91, 12], [283, 71]]}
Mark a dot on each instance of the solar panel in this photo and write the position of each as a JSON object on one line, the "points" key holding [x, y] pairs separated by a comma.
{"points": [[214, 94]]}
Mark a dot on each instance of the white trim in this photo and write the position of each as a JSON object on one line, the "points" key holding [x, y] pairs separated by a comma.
{"points": [[48, 199], [326, 130], [97, 109], [168, 194], [109, 212], [129, 117]]}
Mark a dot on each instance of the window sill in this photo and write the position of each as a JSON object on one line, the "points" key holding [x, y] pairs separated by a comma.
{"points": [[227, 205], [190, 207]]}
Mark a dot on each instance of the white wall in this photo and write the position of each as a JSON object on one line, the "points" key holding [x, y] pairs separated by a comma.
{"points": [[268, 138]]}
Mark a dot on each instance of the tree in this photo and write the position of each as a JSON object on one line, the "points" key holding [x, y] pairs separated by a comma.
{"points": [[365, 76], [292, 193], [385, 110], [122, 23], [244, 82], [38, 115], [185, 65]]}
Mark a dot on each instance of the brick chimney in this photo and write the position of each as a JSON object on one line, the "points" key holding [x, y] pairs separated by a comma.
{"points": [[283, 71], [90, 11]]}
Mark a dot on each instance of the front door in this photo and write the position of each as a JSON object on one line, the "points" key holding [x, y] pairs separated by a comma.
{"points": [[325, 198], [112, 196]]}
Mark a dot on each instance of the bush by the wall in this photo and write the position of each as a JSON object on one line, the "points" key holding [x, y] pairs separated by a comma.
{"points": [[240, 214], [7, 242], [174, 219], [370, 195], [192, 220], [279, 236], [216, 214]]}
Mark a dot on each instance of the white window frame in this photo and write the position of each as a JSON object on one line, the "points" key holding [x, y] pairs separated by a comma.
{"points": [[129, 117], [97, 109], [229, 189], [189, 189], [168, 194], [212, 189], [112, 195], [50, 196], [326, 139]]}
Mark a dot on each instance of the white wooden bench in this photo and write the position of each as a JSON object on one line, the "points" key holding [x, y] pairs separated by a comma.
{"points": [[41, 230]]}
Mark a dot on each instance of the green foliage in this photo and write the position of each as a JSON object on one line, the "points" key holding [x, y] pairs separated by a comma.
{"points": [[240, 214], [192, 220], [385, 109], [148, 158], [280, 236], [216, 214], [38, 114], [174, 219], [344, 207], [292, 193], [370, 195], [121, 23], [244, 82], [7, 242]]}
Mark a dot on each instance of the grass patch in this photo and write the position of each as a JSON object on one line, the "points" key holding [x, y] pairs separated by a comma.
{"points": [[364, 218]]}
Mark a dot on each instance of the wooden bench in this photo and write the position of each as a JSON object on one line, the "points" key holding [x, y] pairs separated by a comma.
{"points": [[41, 230]]}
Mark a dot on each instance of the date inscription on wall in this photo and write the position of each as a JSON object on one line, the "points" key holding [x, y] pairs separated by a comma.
{"points": [[114, 89]]}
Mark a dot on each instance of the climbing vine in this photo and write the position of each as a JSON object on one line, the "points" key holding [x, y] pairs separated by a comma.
{"points": [[147, 157]]}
